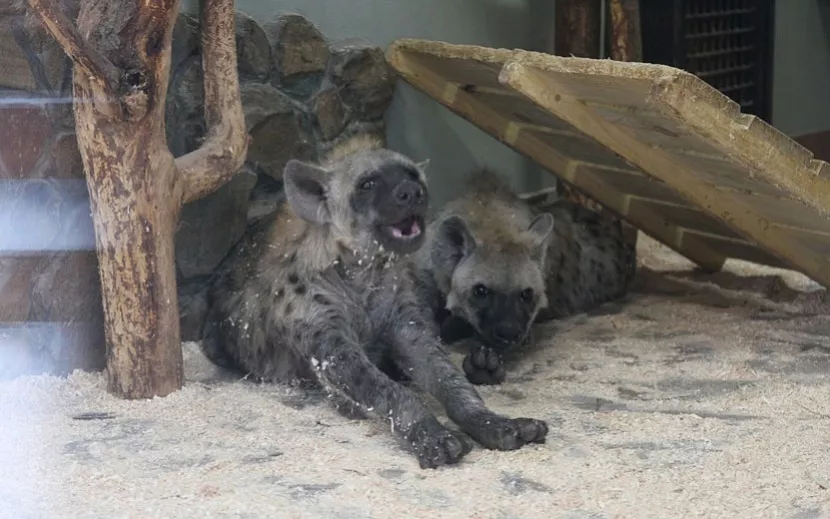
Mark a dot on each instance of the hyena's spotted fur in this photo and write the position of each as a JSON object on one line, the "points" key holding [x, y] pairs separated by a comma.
{"points": [[321, 290], [495, 264]]}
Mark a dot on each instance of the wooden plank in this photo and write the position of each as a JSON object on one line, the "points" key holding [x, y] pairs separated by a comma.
{"points": [[740, 249], [557, 88], [492, 119], [653, 223], [684, 216], [727, 183], [686, 99]]}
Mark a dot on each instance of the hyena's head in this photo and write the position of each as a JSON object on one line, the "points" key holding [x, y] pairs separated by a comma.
{"points": [[367, 195], [498, 284]]}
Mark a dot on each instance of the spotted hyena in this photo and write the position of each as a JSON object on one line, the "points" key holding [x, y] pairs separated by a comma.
{"points": [[321, 290], [495, 264]]}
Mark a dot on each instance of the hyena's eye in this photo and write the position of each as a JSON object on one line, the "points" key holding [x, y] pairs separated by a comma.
{"points": [[527, 295], [367, 184], [480, 290]]}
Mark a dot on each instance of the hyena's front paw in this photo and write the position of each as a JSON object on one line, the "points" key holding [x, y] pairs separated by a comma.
{"points": [[506, 434], [435, 445], [483, 366]]}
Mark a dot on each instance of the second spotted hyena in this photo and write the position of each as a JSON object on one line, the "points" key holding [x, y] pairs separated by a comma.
{"points": [[495, 264]]}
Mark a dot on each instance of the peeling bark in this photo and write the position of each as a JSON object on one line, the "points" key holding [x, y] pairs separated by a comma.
{"points": [[577, 28], [121, 55], [626, 40]]}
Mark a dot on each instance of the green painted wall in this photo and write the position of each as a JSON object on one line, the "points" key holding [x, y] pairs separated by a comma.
{"points": [[801, 77]]}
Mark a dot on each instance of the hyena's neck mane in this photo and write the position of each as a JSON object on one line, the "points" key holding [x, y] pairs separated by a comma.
{"points": [[318, 248]]}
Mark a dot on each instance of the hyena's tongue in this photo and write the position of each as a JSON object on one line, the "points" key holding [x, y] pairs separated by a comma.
{"points": [[406, 229]]}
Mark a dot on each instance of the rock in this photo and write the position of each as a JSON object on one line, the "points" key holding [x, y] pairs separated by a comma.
{"points": [[365, 80], [261, 101], [54, 348], [275, 130], [17, 71], [375, 128], [273, 122], [211, 225], [300, 54], [328, 113], [16, 275], [266, 196], [65, 158], [24, 136], [253, 50], [193, 307], [275, 141], [45, 215], [65, 329], [184, 112], [186, 42], [68, 289], [60, 109]]}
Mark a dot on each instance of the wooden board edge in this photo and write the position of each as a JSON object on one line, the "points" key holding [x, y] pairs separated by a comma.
{"points": [[526, 78], [715, 117]]}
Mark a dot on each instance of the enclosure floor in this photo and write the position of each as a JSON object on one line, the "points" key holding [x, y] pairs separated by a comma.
{"points": [[696, 398]]}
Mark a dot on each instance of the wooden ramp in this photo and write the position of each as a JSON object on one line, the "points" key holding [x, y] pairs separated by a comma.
{"points": [[656, 145]]}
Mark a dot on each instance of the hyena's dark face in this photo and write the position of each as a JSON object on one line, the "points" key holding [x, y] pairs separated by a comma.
{"points": [[497, 288], [391, 200], [370, 198]]}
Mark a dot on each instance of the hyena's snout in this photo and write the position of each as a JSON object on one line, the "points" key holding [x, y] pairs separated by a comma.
{"points": [[506, 335], [409, 193]]}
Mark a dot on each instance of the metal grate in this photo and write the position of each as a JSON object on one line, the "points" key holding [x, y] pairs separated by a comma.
{"points": [[727, 43]]}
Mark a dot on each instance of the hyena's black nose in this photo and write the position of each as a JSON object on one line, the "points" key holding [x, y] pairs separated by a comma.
{"points": [[507, 333], [409, 192]]}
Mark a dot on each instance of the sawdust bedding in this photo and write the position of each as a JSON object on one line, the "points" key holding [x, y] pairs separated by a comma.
{"points": [[699, 396]]}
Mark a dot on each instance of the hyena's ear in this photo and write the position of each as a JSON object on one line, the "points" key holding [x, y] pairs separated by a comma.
{"points": [[452, 243], [422, 170], [540, 230], [305, 188]]}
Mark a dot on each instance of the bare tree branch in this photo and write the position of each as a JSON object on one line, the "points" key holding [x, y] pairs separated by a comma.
{"points": [[67, 35], [202, 171]]}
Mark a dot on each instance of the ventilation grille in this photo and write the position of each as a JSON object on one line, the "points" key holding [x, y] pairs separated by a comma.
{"points": [[722, 46], [727, 43]]}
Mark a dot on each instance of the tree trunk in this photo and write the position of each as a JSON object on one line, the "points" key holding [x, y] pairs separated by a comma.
{"points": [[626, 39], [577, 28], [136, 187]]}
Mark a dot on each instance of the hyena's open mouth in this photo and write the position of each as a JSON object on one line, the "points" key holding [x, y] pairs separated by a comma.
{"points": [[409, 228]]}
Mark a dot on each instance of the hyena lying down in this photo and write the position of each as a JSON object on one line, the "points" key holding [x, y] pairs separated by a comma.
{"points": [[494, 265], [321, 289]]}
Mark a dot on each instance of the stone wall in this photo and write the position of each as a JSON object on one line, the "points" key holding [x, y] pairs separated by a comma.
{"points": [[301, 95]]}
